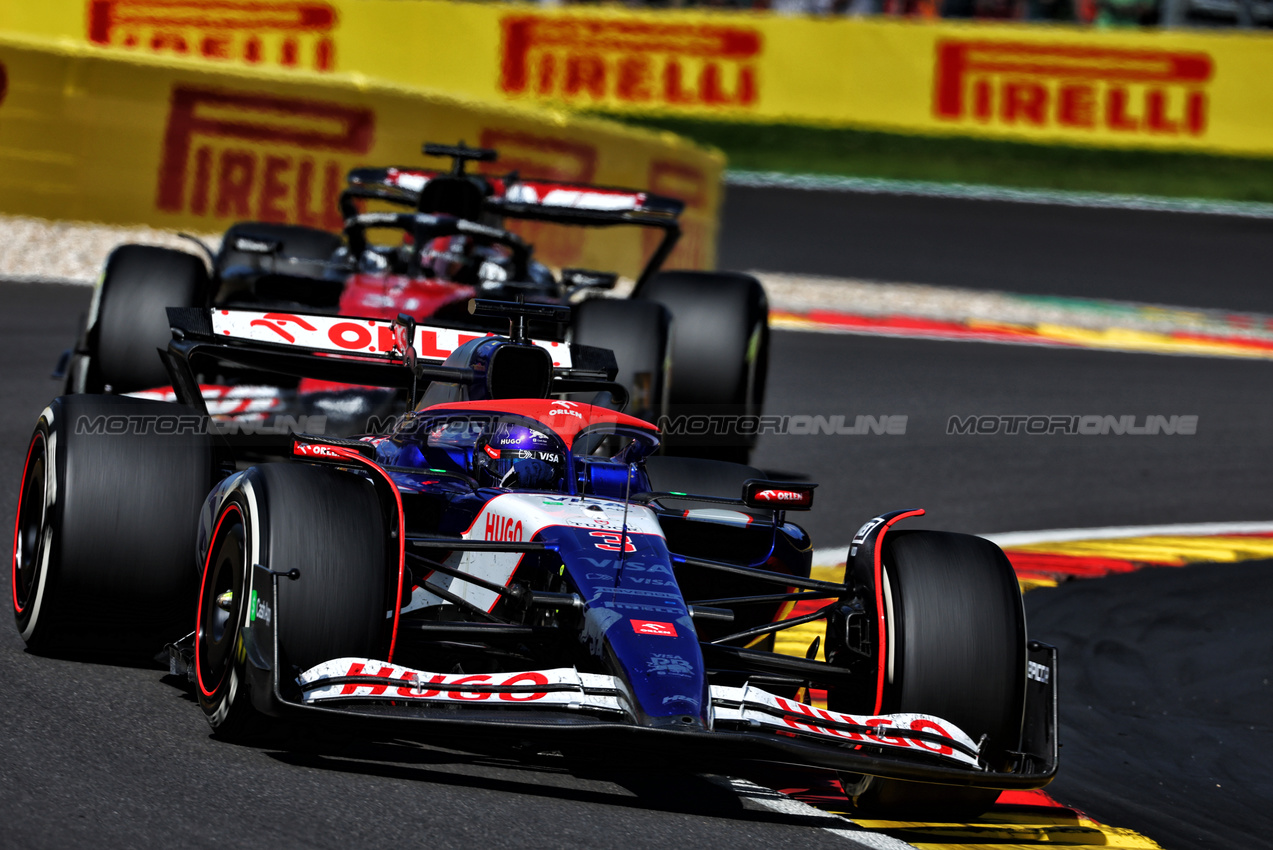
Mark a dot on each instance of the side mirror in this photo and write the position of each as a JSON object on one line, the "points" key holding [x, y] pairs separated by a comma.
{"points": [[579, 279], [250, 244], [778, 495], [403, 330]]}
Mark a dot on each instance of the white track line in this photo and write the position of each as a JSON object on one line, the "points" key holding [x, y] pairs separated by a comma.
{"points": [[834, 555], [851, 832], [979, 192]]}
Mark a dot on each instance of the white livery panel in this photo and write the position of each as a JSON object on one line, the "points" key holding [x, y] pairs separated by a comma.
{"points": [[345, 335], [517, 518]]}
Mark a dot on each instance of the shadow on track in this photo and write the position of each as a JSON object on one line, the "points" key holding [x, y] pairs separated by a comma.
{"points": [[1167, 700]]}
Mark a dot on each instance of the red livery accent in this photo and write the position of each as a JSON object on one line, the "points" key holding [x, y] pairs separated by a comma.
{"points": [[400, 522], [384, 296], [653, 627], [358, 669], [611, 539], [565, 426], [275, 321], [503, 529], [780, 496], [314, 450]]}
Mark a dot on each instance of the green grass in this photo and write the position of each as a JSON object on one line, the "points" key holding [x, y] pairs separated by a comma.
{"points": [[861, 153]]}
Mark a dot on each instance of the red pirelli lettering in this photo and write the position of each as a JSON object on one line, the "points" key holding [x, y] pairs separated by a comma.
{"points": [[292, 32], [599, 58], [213, 163], [1032, 85]]}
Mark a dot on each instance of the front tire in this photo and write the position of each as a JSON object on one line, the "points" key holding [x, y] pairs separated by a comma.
{"points": [[328, 526], [957, 650]]}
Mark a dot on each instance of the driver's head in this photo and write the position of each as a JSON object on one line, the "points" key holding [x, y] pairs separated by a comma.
{"points": [[459, 259], [519, 456], [451, 258]]}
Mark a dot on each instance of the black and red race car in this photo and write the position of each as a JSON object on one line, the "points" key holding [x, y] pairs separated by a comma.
{"points": [[504, 566], [689, 343]]}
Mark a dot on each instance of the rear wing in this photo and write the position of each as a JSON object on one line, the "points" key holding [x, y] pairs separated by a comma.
{"points": [[552, 201], [369, 352], [541, 200]]}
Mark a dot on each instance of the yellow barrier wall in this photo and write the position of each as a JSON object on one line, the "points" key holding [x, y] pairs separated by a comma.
{"points": [[90, 135], [1211, 92]]}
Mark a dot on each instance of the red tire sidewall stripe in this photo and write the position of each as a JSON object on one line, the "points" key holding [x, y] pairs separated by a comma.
{"points": [[17, 520], [882, 636], [207, 565]]}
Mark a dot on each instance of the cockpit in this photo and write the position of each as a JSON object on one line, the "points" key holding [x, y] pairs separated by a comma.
{"points": [[543, 446]]}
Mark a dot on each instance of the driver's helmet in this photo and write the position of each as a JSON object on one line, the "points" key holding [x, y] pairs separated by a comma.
{"points": [[516, 455], [459, 259]]}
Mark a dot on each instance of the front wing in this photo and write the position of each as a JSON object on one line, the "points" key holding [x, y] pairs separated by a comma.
{"points": [[746, 709], [566, 708]]}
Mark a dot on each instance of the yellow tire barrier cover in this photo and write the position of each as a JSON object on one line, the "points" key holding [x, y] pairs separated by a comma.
{"points": [[178, 143], [1168, 89]]}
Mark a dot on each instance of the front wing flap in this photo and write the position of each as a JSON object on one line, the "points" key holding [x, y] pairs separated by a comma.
{"points": [[746, 713]]}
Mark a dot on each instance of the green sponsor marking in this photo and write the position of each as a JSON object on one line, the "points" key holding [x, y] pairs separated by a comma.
{"points": [[252, 607]]}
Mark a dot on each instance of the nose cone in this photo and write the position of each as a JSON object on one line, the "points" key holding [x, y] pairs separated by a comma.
{"points": [[658, 658], [636, 622]]}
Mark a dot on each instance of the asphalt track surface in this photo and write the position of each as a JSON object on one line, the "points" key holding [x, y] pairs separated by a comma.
{"points": [[119, 756], [1158, 258]]}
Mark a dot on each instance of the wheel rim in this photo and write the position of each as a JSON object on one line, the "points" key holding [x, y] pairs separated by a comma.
{"points": [[221, 602], [29, 527]]}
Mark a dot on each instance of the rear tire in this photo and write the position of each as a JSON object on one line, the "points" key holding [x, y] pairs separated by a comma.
{"points": [[128, 320], [326, 524], [639, 334], [720, 354], [957, 651], [106, 527]]}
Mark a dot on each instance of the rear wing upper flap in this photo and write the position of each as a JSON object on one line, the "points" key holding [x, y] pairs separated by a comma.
{"points": [[545, 200]]}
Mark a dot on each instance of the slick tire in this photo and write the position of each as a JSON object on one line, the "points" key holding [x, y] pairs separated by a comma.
{"points": [[304, 243], [720, 354], [639, 334], [105, 533], [957, 651], [128, 319], [327, 525]]}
